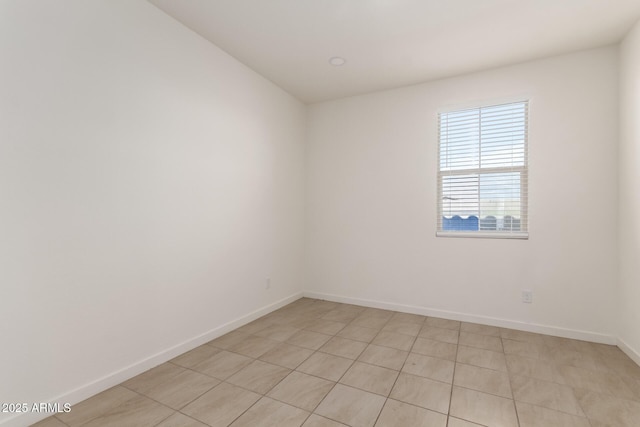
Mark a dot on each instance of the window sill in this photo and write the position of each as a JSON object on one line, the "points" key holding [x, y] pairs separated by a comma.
{"points": [[484, 234]]}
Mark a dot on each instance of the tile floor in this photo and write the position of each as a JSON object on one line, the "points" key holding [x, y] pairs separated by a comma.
{"points": [[322, 364]]}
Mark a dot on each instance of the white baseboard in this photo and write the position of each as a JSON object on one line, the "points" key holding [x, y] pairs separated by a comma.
{"points": [[465, 317], [108, 381], [629, 351]]}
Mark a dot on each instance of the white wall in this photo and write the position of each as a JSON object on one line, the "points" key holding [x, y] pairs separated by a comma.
{"points": [[629, 193], [371, 198], [149, 184]]}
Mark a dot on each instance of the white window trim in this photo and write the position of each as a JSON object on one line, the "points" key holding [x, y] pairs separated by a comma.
{"points": [[522, 235]]}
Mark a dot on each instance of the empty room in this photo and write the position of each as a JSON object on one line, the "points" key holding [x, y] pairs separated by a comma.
{"points": [[328, 213]]}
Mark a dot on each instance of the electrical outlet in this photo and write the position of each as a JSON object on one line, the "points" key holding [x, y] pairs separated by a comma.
{"points": [[268, 283], [527, 297]]}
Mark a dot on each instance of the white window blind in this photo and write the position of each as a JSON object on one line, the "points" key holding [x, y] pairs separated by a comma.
{"points": [[482, 177]]}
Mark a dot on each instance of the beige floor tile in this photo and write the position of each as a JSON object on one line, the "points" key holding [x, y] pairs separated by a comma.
{"points": [[633, 385], [50, 422], [195, 356], [318, 421], [180, 420], [516, 335], [394, 340], [378, 312], [255, 326], [270, 413], [430, 347], [482, 408], [531, 350], [565, 343], [287, 319], [289, 356], [457, 422], [534, 368], [609, 410], [358, 333], [303, 303], [485, 342], [259, 376], [286, 355], [606, 382], [340, 316], [399, 414], [153, 377], [624, 367], [586, 347], [324, 304], [316, 312], [277, 332], [137, 412], [228, 340], [97, 405], [476, 328], [325, 366], [344, 347], [327, 327], [304, 322], [408, 318], [546, 394], [221, 405], [351, 406], [449, 336], [578, 359], [302, 317], [483, 379], [443, 323], [222, 365], [294, 308], [300, 312], [302, 390], [371, 322], [429, 367], [374, 379], [597, 423], [384, 356], [609, 351], [254, 346], [537, 416], [406, 328], [482, 358], [352, 308], [182, 389], [562, 343], [309, 339], [423, 392]]}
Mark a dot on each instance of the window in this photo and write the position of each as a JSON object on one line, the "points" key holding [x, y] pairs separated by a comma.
{"points": [[482, 178]]}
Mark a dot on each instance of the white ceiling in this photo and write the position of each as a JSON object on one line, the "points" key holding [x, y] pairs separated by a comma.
{"points": [[391, 43]]}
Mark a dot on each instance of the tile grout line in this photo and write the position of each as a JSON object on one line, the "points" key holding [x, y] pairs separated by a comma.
{"points": [[453, 378], [513, 397]]}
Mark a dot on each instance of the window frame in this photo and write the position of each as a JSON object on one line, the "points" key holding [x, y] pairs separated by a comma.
{"points": [[522, 170]]}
